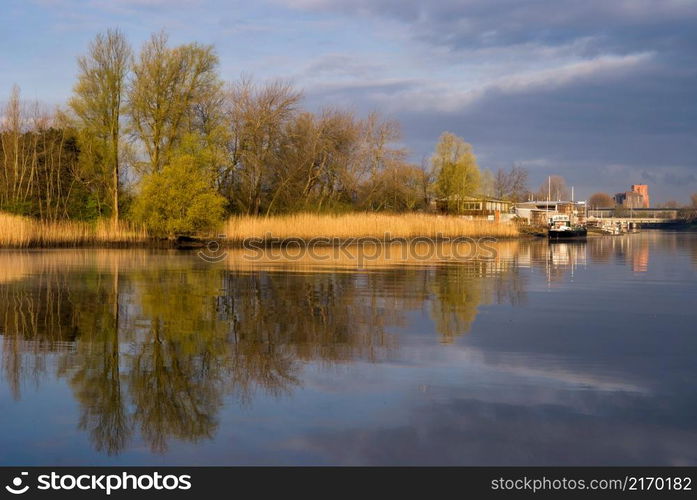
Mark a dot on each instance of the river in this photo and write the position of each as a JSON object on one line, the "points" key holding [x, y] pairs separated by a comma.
{"points": [[534, 354]]}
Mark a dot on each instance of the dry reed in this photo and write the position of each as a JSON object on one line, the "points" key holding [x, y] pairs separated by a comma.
{"points": [[363, 225], [25, 232]]}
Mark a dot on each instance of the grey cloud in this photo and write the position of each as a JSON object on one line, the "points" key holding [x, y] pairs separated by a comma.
{"points": [[679, 180], [628, 25], [342, 64], [643, 119], [624, 96], [361, 96]]}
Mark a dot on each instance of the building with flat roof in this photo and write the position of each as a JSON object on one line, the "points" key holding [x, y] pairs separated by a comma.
{"points": [[638, 197], [643, 190], [473, 205], [540, 212]]}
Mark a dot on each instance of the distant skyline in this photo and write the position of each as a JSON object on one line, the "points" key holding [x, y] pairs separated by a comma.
{"points": [[602, 93]]}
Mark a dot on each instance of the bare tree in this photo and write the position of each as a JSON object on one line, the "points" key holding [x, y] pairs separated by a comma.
{"points": [[12, 128], [601, 200], [38, 161], [511, 184], [555, 188], [397, 188], [258, 117], [378, 155]]}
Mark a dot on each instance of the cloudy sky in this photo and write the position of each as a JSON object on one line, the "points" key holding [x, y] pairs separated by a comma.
{"points": [[602, 92]]}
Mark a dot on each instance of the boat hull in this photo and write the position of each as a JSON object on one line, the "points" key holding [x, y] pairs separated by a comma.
{"points": [[565, 235]]}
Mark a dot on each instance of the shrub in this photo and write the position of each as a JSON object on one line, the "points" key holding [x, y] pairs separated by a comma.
{"points": [[178, 200]]}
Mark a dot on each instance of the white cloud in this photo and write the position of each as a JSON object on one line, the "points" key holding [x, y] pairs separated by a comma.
{"points": [[571, 73], [447, 96]]}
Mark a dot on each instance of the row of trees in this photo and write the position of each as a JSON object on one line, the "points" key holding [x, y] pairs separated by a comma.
{"points": [[40, 172], [159, 135]]}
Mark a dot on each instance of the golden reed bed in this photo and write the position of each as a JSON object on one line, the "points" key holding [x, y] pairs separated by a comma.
{"points": [[362, 225], [24, 232]]}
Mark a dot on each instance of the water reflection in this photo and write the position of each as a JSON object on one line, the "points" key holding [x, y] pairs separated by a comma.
{"points": [[152, 342], [153, 345]]}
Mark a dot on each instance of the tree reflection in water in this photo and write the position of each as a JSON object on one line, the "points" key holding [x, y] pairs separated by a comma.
{"points": [[151, 343]]}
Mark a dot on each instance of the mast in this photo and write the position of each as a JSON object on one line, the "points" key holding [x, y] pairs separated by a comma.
{"points": [[549, 195]]}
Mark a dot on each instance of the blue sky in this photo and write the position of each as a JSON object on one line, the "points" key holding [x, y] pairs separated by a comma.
{"points": [[603, 93]]}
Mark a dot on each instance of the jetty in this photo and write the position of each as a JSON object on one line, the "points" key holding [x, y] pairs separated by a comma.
{"points": [[622, 220]]}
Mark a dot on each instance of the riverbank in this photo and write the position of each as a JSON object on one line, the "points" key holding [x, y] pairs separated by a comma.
{"points": [[24, 232]]}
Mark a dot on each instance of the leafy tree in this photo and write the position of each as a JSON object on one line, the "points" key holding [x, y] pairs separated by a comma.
{"points": [[178, 200], [456, 170], [169, 86], [97, 102], [487, 183]]}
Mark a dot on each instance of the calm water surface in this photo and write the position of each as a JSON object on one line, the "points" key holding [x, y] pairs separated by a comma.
{"points": [[546, 354]]}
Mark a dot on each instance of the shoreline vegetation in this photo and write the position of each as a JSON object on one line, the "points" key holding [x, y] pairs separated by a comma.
{"points": [[154, 147], [378, 226], [19, 232]]}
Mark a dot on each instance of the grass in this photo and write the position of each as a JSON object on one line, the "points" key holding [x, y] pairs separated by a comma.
{"points": [[25, 232], [363, 225]]}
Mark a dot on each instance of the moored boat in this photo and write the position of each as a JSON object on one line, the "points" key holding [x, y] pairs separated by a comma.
{"points": [[562, 228]]}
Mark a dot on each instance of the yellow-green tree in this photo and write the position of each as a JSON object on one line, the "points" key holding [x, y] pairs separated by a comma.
{"points": [[98, 101], [170, 90], [456, 171], [179, 199]]}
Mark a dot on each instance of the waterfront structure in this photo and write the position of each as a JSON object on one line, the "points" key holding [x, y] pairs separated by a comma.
{"points": [[618, 220], [636, 213], [540, 213], [638, 197], [482, 206]]}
